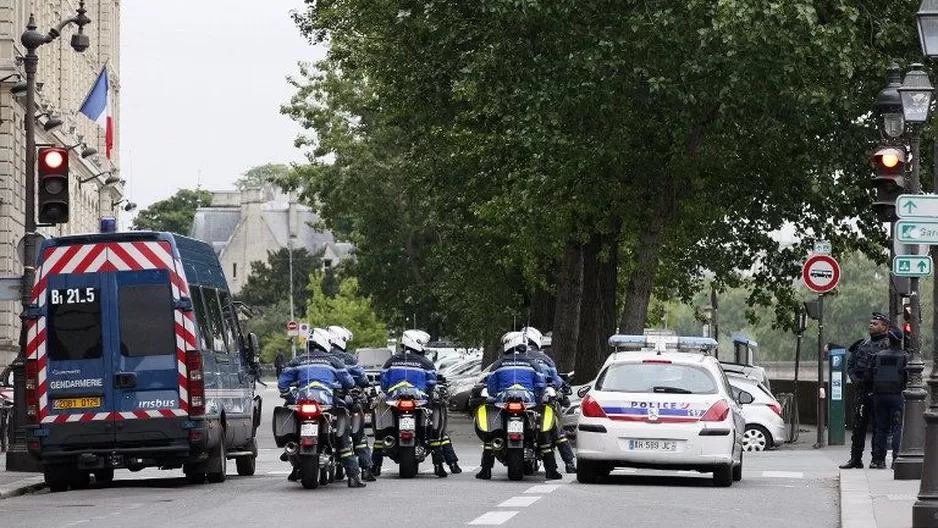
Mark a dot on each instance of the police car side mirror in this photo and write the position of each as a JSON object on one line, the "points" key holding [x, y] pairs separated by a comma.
{"points": [[184, 304], [583, 390], [745, 398]]}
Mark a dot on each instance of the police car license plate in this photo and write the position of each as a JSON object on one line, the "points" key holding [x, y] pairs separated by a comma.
{"points": [[515, 426], [62, 404], [407, 423], [309, 429], [652, 445]]}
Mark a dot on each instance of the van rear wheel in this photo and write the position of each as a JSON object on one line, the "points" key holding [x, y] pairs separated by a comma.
{"points": [[56, 477], [219, 462], [103, 476]]}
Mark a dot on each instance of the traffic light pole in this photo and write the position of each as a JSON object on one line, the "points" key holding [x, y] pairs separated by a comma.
{"points": [[912, 447], [18, 459]]}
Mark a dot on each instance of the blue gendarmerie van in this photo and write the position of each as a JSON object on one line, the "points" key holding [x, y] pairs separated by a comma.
{"points": [[135, 358]]}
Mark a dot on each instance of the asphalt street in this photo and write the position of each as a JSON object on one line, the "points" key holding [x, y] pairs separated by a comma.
{"points": [[787, 488]]}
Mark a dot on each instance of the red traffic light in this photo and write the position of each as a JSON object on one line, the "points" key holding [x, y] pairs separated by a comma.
{"points": [[52, 159], [907, 328]]}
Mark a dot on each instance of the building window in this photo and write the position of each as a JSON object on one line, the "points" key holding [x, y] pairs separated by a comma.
{"points": [[234, 270], [327, 263]]}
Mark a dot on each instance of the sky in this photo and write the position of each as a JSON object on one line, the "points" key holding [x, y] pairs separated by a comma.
{"points": [[201, 83]]}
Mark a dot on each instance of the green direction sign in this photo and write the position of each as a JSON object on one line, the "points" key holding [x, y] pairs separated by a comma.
{"points": [[917, 206], [917, 232], [912, 266]]}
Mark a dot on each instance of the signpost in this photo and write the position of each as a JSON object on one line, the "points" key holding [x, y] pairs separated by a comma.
{"points": [[917, 206], [820, 273], [912, 266], [293, 329], [917, 232]]}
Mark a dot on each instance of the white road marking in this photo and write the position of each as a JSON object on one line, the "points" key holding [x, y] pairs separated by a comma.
{"points": [[543, 488], [783, 474], [520, 501], [493, 518]]}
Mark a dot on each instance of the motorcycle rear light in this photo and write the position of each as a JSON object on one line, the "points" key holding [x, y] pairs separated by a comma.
{"points": [[775, 408], [515, 407], [590, 408], [717, 412], [407, 435], [406, 405], [514, 436], [308, 409]]}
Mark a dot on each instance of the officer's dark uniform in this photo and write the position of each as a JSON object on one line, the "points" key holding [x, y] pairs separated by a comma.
{"points": [[857, 368], [554, 380], [359, 438], [888, 378], [443, 443]]}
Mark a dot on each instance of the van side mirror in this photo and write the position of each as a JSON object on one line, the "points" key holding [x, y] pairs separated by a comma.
{"points": [[583, 390], [253, 345], [184, 304]]}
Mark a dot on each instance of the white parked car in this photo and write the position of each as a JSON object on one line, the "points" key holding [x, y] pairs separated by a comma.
{"points": [[765, 426], [661, 408]]}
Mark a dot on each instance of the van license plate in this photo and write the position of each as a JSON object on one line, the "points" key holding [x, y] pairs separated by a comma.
{"points": [[652, 445], [515, 426], [76, 403], [407, 423], [309, 429]]}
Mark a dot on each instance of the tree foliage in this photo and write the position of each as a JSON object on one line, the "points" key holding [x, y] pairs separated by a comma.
{"points": [[269, 282], [258, 177], [347, 308], [174, 214], [474, 147]]}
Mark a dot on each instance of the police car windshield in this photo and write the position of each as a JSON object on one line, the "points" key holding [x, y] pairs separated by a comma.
{"points": [[656, 377]]}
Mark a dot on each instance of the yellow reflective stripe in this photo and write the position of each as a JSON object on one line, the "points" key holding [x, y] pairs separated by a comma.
{"points": [[483, 419], [561, 440], [399, 385], [517, 386], [378, 444], [318, 384], [548, 418]]}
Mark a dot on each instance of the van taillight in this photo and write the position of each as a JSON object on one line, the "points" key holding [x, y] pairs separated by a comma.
{"points": [[32, 391], [196, 384], [716, 413]]}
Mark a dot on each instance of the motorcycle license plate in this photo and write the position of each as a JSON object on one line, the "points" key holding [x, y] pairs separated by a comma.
{"points": [[309, 429], [516, 426], [407, 423]]}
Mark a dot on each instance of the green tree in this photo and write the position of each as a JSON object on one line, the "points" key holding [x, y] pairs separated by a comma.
{"points": [[269, 282], [257, 177], [270, 325], [174, 214], [348, 308]]}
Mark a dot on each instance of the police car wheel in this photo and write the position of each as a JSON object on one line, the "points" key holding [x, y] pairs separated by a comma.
{"points": [[723, 476], [102, 476]]}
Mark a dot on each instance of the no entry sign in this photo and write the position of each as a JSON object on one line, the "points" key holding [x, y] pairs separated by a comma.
{"points": [[821, 273]]}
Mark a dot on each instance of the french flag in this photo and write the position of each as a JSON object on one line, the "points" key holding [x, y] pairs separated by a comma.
{"points": [[97, 107]]}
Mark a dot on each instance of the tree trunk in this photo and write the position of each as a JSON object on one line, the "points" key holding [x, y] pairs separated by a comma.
{"points": [[491, 345], [567, 315], [598, 305], [642, 280], [543, 306]]}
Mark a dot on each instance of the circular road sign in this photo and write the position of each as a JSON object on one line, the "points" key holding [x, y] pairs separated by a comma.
{"points": [[292, 325], [821, 273]]}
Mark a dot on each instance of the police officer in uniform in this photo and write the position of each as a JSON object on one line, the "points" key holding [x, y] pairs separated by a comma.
{"points": [[857, 368], [887, 378], [339, 338]]}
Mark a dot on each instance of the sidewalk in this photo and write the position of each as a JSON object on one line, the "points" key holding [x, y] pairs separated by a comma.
{"points": [[13, 483]]}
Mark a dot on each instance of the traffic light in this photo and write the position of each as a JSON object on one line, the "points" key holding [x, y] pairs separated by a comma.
{"points": [[888, 180], [53, 185], [907, 320]]}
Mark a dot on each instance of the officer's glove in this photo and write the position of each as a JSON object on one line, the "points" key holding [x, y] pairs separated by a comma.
{"points": [[549, 395]]}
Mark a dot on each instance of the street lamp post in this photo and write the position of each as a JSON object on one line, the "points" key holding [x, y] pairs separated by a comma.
{"points": [[915, 92], [925, 510], [18, 459]]}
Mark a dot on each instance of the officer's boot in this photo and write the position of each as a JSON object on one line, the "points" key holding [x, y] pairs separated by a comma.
{"points": [[438, 469], [853, 463], [351, 469], [377, 457], [488, 460], [550, 466], [449, 454], [566, 454], [339, 472], [294, 475]]}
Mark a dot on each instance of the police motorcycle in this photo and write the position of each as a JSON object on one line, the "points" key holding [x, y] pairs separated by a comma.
{"points": [[510, 426], [404, 422], [308, 433]]}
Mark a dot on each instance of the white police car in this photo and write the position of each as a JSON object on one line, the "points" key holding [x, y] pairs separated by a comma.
{"points": [[664, 404]]}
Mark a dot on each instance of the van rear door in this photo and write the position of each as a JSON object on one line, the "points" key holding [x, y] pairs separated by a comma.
{"points": [[78, 369], [146, 369]]}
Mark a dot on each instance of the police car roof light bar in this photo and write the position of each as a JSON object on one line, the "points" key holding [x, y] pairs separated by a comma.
{"points": [[661, 343]]}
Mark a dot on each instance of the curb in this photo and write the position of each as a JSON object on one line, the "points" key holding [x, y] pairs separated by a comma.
{"points": [[21, 487], [856, 502]]}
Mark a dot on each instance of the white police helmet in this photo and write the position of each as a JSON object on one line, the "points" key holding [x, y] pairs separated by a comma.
{"points": [[534, 336], [319, 338], [512, 341], [340, 336], [415, 340]]}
